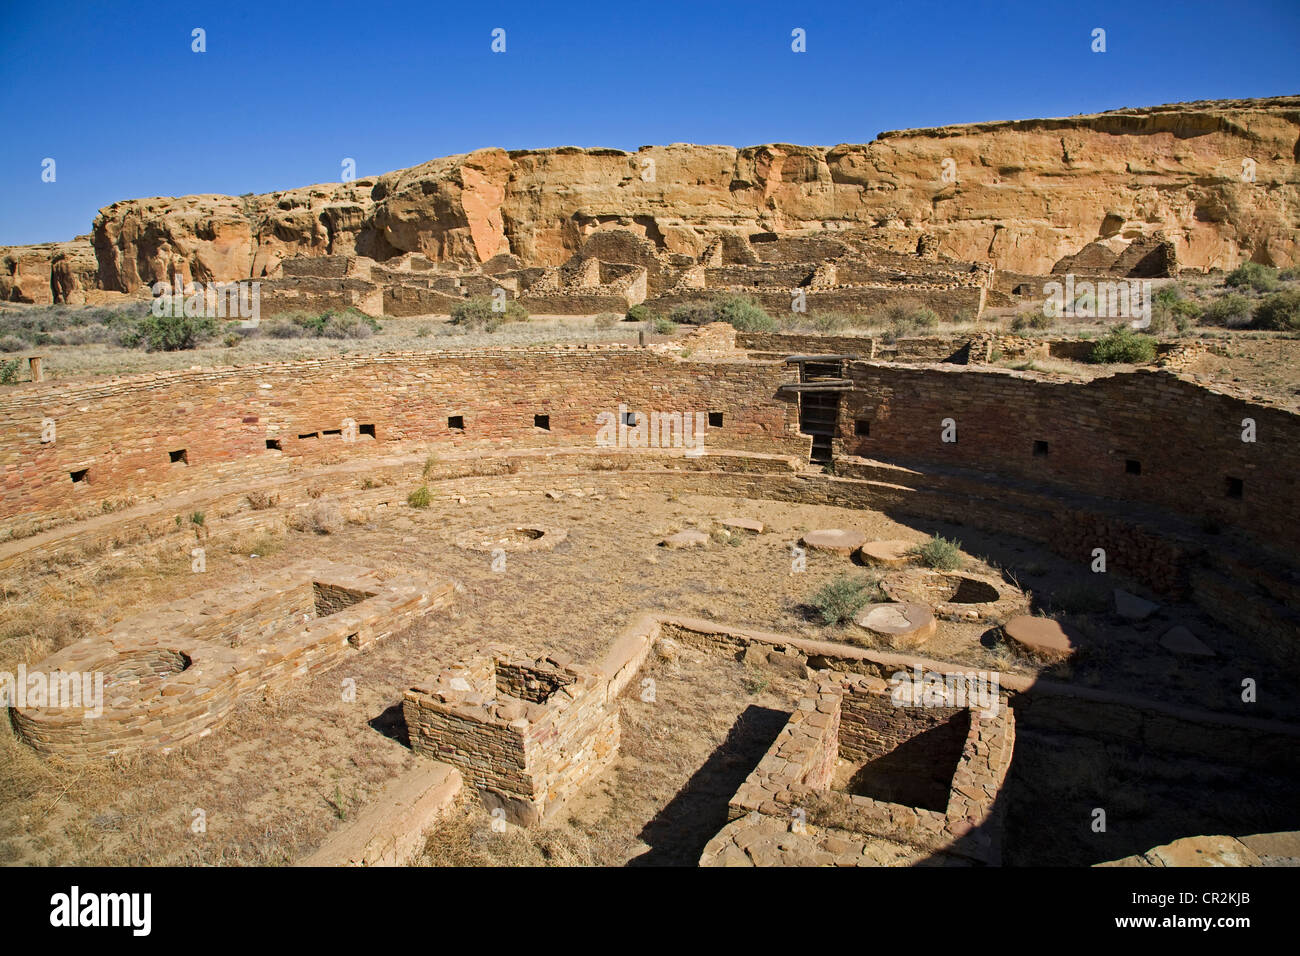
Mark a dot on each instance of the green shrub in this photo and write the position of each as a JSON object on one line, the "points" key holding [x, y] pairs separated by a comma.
{"points": [[607, 320], [1034, 320], [638, 313], [1252, 275], [478, 314], [842, 597], [743, 314], [692, 313], [1289, 275], [420, 497], [661, 326], [939, 553], [901, 318], [1231, 311], [175, 333], [9, 371], [1279, 311], [1122, 344]]}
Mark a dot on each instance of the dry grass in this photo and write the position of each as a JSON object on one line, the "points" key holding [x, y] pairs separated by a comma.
{"points": [[275, 778]]}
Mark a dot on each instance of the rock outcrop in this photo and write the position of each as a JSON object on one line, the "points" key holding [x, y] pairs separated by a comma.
{"points": [[1206, 184]]}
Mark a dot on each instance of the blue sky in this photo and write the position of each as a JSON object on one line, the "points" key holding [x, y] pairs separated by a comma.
{"points": [[114, 94]]}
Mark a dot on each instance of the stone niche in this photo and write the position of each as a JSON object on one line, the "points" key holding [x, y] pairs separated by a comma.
{"points": [[526, 732]]}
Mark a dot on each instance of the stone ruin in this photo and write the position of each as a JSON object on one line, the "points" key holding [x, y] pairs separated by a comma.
{"points": [[616, 268], [171, 675], [526, 732], [859, 759]]}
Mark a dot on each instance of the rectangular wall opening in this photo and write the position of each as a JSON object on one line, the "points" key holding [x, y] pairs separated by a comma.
{"points": [[309, 436], [1132, 466], [79, 475], [333, 433], [1234, 487], [366, 431], [862, 428], [715, 419], [542, 421], [179, 457], [456, 422], [273, 444], [1040, 449]]}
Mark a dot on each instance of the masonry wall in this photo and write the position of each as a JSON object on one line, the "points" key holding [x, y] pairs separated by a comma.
{"points": [[122, 431], [1186, 440]]}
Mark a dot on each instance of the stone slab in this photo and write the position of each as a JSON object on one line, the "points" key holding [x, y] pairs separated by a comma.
{"points": [[1041, 637], [838, 540]]}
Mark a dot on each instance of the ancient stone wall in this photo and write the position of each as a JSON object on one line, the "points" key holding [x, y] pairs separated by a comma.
{"points": [[119, 436], [1094, 437], [528, 733]]}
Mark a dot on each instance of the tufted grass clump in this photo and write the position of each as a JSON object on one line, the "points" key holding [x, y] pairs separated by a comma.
{"points": [[939, 553], [420, 497], [842, 597]]}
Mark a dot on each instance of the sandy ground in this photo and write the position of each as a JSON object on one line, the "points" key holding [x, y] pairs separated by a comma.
{"points": [[284, 771]]}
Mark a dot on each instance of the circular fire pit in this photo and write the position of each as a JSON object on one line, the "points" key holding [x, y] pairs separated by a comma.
{"points": [[956, 595], [511, 538]]}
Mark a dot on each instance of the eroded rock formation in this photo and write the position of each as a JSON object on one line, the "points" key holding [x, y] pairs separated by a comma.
{"points": [[1210, 184]]}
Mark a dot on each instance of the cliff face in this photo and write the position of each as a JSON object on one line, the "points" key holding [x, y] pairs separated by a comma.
{"points": [[1019, 195]]}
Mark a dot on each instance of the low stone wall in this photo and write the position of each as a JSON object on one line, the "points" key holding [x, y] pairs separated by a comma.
{"points": [[167, 681], [854, 717], [391, 831], [528, 733]]}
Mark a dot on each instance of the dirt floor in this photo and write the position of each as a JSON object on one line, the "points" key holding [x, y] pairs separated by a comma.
{"points": [[273, 781]]}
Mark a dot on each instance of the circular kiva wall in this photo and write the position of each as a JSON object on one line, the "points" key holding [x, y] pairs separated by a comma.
{"points": [[960, 443]]}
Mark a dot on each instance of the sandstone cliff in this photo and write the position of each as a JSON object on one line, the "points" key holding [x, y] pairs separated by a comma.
{"points": [[1026, 195]]}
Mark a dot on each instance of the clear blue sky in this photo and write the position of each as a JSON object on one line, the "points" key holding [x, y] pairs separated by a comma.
{"points": [[113, 93]]}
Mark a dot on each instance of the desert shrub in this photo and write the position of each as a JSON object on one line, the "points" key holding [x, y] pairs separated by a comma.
{"points": [[607, 320], [1122, 344], [283, 328], [1231, 310], [743, 314], [1279, 311], [175, 333], [9, 371], [1252, 275], [939, 553], [479, 315], [638, 313], [1289, 275], [661, 326], [842, 597], [1033, 320], [323, 517], [260, 500], [13, 343], [348, 324], [691, 313], [420, 497], [902, 317]]}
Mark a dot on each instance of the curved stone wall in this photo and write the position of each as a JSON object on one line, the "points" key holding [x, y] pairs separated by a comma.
{"points": [[1142, 437]]}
